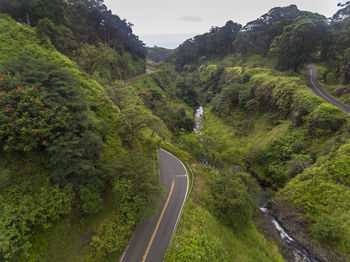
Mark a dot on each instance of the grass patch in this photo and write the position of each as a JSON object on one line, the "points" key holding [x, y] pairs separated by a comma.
{"points": [[263, 132]]}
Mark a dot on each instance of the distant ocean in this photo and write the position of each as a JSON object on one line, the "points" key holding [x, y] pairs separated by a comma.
{"points": [[170, 41]]}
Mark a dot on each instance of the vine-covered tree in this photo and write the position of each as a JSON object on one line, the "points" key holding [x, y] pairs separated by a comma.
{"points": [[299, 42]]}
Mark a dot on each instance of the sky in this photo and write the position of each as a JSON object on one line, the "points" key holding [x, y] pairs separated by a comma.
{"points": [[168, 23]]}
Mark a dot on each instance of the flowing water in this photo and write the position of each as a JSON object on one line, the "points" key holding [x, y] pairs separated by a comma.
{"points": [[198, 119], [296, 252]]}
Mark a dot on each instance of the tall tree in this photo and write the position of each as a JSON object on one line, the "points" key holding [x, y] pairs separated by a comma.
{"points": [[299, 42]]}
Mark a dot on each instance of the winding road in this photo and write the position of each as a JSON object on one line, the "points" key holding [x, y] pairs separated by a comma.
{"points": [[148, 72], [152, 237], [318, 90]]}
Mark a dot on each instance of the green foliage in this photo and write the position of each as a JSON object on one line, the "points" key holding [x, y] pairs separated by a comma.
{"points": [[258, 35], [159, 94], [49, 114], [325, 119], [303, 105], [31, 11], [90, 21], [328, 229], [28, 121], [199, 248], [185, 90], [137, 178], [322, 192], [299, 42], [207, 72], [113, 237], [109, 47], [137, 190], [58, 36], [92, 202], [298, 163], [30, 212], [339, 169], [217, 42], [157, 54], [331, 78], [214, 145], [201, 237], [136, 119], [284, 157], [106, 64], [231, 202], [74, 131]]}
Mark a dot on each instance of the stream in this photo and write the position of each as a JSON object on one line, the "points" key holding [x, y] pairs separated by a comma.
{"points": [[198, 119], [296, 253]]}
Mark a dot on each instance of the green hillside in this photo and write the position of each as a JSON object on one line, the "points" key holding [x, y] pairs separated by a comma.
{"points": [[70, 154], [79, 134], [275, 127]]}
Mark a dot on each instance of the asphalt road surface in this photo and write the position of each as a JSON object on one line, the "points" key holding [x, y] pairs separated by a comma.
{"points": [[148, 72], [318, 90], [151, 238]]}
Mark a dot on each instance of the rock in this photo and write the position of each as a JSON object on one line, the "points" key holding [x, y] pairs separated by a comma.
{"points": [[297, 225], [266, 227]]}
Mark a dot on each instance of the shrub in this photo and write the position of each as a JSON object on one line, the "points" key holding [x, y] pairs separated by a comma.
{"points": [[91, 200], [298, 163], [331, 78], [325, 119], [231, 202], [19, 219], [43, 109], [328, 229], [27, 120]]}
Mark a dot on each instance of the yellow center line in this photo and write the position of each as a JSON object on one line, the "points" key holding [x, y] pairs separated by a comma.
{"points": [[158, 223], [320, 91]]}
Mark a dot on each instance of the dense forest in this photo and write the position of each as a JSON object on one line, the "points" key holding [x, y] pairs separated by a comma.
{"points": [[85, 31], [287, 35], [79, 144]]}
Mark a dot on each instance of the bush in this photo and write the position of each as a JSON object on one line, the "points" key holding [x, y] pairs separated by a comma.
{"points": [[331, 78], [43, 109], [231, 202], [91, 200], [328, 229], [137, 184], [325, 119], [303, 105], [298, 163], [19, 219]]}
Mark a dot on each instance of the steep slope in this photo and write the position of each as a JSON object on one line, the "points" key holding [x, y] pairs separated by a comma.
{"points": [[78, 159], [292, 140]]}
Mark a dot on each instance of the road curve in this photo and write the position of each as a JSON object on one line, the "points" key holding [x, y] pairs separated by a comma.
{"points": [[152, 237], [148, 72], [318, 90]]}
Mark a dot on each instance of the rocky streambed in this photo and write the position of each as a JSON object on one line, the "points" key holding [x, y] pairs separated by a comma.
{"points": [[297, 225]]}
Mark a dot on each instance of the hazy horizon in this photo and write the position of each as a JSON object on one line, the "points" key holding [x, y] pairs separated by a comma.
{"points": [[170, 41], [168, 23]]}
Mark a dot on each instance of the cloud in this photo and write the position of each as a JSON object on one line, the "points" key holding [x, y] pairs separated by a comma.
{"points": [[190, 18]]}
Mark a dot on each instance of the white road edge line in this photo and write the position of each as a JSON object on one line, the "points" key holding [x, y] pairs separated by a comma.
{"points": [[177, 221], [183, 203], [127, 247]]}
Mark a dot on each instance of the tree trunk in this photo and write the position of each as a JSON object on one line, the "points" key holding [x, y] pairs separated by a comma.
{"points": [[28, 21]]}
